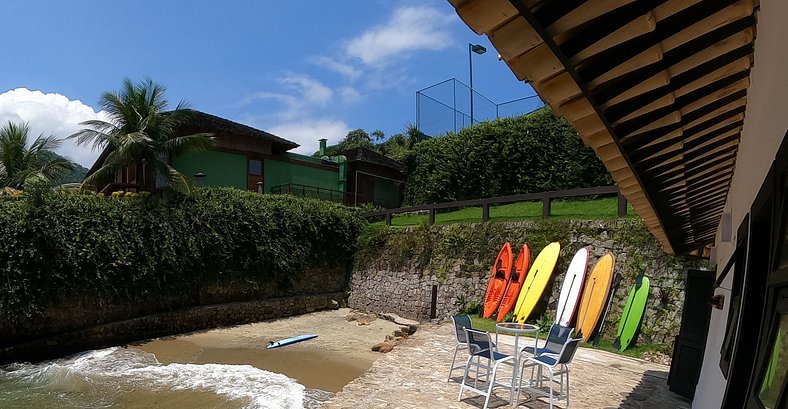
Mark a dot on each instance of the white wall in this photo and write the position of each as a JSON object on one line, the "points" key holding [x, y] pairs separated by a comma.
{"points": [[765, 124]]}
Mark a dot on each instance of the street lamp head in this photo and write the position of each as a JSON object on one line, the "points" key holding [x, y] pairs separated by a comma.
{"points": [[478, 48]]}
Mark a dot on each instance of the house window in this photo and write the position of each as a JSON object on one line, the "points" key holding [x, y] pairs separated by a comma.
{"points": [[740, 260], [773, 378], [774, 365], [781, 257], [255, 167]]}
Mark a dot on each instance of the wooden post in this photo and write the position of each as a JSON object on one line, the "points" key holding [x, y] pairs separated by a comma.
{"points": [[432, 216], [388, 219], [545, 207], [485, 212], [434, 302], [622, 205]]}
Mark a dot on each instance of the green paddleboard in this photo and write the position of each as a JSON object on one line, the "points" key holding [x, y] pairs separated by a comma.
{"points": [[632, 314]]}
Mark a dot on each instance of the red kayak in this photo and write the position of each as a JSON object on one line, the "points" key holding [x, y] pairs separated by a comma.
{"points": [[499, 277], [516, 280]]}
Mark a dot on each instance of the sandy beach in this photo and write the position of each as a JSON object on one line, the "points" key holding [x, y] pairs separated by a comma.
{"points": [[340, 353]]}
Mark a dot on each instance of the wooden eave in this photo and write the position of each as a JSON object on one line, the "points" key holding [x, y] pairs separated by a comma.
{"points": [[658, 88]]}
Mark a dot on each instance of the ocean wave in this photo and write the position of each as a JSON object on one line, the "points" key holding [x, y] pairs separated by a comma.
{"points": [[104, 376]]}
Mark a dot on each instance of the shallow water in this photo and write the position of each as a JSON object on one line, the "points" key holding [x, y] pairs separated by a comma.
{"points": [[132, 378]]}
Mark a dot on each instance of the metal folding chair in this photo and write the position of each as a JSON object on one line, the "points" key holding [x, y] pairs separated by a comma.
{"points": [[481, 347], [555, 364], [556, 339], [461, 339]]}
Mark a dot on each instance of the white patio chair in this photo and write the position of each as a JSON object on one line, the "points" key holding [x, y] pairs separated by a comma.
{"points": [[460, 337], [480, 346], [556, 364]]}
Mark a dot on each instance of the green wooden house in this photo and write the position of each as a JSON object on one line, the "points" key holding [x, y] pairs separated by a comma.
{"points": [[248, 158]]}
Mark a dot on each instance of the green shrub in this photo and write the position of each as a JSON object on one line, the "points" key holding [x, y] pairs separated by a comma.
{"points": [[58, 244], [467, 307], [532, 153]]}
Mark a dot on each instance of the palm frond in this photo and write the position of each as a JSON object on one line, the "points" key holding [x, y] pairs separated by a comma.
{"points": [[179, 182], [101, 126], [101, 177], [96, 139], [176, 180], [43, 144], [200, 142], [56, 168], [140, 130], [18, 162]]}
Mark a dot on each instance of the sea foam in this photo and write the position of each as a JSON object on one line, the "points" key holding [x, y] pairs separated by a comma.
{"points": [[118, 370]]}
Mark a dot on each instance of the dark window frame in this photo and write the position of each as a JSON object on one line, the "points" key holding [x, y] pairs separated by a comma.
{"points": [[734, 304], [776, 300], [755, 292], [249, 167], [778, 307]]}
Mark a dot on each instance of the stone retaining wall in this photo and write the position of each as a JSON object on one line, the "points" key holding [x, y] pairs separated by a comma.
{"points": [[398, 271], [77, 324], [168, 323]]}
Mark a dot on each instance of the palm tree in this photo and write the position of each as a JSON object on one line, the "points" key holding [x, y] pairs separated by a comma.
{"points": [[20, 160], [413, 135], [140, 130]]}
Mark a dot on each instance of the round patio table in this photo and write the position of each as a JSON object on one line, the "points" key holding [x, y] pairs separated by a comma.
{"points": [[516, 328]]}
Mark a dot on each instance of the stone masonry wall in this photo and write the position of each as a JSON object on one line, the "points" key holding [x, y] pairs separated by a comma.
{"points": [[78, 324], [396, 270], [167, 323]]}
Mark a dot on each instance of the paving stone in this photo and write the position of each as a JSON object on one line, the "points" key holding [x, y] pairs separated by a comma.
{"points": [[414, 375]]}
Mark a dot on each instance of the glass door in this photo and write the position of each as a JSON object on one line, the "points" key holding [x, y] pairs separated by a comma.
{"points": [[768, 387], [771, 385]]}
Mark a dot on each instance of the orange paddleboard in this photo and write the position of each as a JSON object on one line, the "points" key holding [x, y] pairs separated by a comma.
{"points": [[515, 282], [595, 294], [499, 277]]}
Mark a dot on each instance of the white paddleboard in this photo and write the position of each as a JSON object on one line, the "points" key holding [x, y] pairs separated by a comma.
{"points": [[570, 289]]}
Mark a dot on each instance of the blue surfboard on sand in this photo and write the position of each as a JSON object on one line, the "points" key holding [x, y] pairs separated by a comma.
{"points": [[288, 341]]}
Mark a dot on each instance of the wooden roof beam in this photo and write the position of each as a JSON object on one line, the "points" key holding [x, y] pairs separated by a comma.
{"points": [[484, 15]]}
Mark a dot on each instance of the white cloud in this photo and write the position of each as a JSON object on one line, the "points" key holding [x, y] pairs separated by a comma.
{"points": [[307, 133], [332, 64], [350, 94], [291, 105], [300, 94], [411, 28], [50, 114], [308, 87]]}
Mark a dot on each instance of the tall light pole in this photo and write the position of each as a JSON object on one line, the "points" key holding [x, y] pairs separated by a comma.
{"points": [[478, 49]]}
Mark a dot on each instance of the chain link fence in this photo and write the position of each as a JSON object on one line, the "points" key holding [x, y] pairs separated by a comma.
{"points": [[446, 107]]}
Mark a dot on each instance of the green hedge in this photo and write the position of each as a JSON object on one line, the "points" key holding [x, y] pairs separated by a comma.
{"points": [[532, 153], [58, 245]]}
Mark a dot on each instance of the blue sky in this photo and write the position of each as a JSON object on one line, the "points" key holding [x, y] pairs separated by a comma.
{"points": [[300, 69]]}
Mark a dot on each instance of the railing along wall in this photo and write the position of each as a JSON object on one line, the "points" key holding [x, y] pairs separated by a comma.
{"points": [[310, 191], [545, 197]]}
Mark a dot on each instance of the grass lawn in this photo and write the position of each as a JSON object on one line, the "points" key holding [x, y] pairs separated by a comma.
{"points": [[635, 351], [605, 208]]}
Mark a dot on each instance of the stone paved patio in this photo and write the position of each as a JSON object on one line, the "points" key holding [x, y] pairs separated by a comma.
{"points": [[414, 376]]}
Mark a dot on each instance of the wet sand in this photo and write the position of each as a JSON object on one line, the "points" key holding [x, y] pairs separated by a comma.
{"points": [[340, 353]]}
